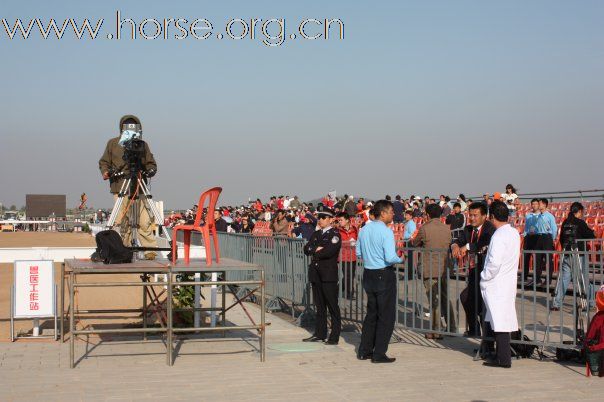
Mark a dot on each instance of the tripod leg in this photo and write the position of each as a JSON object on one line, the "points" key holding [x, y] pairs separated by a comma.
{"points": [[117, 207], [151, 206]]}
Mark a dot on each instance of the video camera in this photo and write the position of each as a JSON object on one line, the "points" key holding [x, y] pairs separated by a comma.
{"points": [[569, 234], [134, 150]]}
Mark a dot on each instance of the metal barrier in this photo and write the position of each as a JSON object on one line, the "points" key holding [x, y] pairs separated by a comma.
{"points": [[284, 262], [432, 285]]}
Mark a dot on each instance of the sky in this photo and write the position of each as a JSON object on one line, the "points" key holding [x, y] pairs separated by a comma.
{"points": [[419, 97]]}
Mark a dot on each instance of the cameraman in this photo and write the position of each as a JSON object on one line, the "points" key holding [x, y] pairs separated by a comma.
{"points": [[573, 228], [116, 168]]}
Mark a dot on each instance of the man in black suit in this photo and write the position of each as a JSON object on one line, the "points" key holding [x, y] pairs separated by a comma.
{"points": [[474, 240], [324, 249]]}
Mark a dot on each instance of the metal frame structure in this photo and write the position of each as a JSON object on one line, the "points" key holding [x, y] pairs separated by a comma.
{"points": [[72, 269], [286, 274]]}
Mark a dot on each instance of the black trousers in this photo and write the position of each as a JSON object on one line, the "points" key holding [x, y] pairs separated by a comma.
{"points": [[325, 296], [349, 271], [530, 242], [540, 261], [474, 303], [380, 287], [502, 344], [544, 242]]}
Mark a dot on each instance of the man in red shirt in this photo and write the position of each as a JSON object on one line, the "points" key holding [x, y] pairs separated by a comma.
{"points": [[360, 205], [348, 258]]}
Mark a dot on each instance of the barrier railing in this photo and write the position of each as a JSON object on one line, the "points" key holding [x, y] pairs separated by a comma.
{"points": [[436, 293]]}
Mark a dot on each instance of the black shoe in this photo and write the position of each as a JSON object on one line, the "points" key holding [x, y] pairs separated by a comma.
{"points": [[554, 308], [368, 356], [382, 359], [495, 363], [331, 342], [313, 339]]}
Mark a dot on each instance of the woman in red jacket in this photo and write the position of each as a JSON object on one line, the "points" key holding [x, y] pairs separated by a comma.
{"points": [[594, 341], [348, 257]]}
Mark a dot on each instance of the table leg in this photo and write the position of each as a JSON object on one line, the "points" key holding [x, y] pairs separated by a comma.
{"points": [[169, 321], [224, 290], [62, 302], [144, 309], [71, 320], [262, 318]]}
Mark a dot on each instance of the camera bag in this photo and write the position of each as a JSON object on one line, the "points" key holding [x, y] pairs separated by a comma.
{"points": [[110, 248]]}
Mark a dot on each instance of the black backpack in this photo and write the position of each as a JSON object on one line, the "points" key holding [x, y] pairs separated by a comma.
{"points": [[110, 248]]}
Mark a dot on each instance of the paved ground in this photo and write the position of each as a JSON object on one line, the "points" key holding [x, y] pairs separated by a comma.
{"points": [[113, 368], [213, 369]]}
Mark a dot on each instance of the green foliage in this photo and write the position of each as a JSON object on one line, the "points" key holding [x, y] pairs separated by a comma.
{"points": [[184, 296]]}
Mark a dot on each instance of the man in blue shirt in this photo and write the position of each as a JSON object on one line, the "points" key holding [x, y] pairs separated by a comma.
{"points": [[410, 225], [530, 234], [377, 248], [543, 226]]}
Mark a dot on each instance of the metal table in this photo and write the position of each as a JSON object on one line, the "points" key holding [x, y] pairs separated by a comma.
{"points": [[71, 269], [225, 266]]}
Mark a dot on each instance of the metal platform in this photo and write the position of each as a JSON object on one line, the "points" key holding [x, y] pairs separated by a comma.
{"points": [[73, 269]]}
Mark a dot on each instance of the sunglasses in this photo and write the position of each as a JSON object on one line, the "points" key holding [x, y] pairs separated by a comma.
{"points": [[323, 217]]}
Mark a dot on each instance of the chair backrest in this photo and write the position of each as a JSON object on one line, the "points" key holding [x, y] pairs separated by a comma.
{"points": [[211, 194]]}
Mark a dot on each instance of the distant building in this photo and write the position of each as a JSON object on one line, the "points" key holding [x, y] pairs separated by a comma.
{"points": [[45, 206]]}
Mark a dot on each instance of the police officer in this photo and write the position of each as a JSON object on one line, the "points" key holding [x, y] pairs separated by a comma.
{"points": [[114, 168], [324, 249]]}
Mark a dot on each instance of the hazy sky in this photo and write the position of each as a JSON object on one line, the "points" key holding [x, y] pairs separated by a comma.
{"points": [[422, 97]]}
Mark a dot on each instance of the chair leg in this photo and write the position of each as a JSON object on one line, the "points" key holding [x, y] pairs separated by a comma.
{"points": [[187, 241], [216, 247], [208, 246], [174, 246]]}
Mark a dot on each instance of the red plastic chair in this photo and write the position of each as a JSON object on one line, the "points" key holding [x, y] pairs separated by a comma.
{"points": [[207, 229]]}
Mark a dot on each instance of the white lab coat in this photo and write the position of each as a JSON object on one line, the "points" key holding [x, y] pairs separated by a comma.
{"points": [[498, 279]]}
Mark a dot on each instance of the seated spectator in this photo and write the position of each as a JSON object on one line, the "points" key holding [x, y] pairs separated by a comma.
{"points": [[456, 220], [306, 227], [399, 210], [280, 225], [417, 211], [410, 226], [510, 198], [446, 209], [461, 199], [221, 224], [246, 226]]}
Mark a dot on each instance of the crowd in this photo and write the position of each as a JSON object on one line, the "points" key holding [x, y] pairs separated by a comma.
{"points": [[493, 229], [288, 216]]}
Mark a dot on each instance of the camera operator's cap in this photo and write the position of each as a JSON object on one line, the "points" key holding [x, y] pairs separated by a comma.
{"points": [[130, 117]]}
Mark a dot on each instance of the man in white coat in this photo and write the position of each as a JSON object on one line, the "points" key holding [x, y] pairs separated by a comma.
{"points": [[498, 284]]}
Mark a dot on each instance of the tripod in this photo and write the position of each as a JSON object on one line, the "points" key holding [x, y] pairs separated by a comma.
{"points": [[133, 189], [580, 292]]}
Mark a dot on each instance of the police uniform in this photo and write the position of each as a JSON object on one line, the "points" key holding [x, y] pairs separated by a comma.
{"points": [[323, 276]]}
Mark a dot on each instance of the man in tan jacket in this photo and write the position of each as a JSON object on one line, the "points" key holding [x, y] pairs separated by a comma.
{"points": [[435, 237], [114, 168]]}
